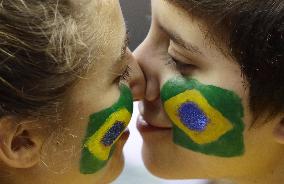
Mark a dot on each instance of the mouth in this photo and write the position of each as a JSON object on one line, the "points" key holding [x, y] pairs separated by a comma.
{"points": [[124, 137], [144, 126]]}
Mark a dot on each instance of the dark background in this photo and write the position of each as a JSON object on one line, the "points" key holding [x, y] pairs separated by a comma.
{"points": [[137, 16]]}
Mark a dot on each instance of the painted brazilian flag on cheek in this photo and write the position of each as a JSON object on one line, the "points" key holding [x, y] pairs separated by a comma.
{"points": [[205, 118], [104, 129]]}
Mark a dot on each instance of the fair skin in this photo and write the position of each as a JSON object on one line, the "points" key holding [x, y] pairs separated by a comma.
{"points": [[51, 154], [201, 59]]}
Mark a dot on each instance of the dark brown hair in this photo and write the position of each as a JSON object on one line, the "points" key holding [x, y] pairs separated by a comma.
{"points": [[253, 31], [41, 55]]}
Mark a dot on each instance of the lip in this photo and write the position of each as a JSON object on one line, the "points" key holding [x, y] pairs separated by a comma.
{"points": [[125, 134], [123, 138], [143, 126]]}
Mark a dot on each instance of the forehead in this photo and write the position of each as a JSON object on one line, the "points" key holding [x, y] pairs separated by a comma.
{"points": [[177, 21], [102, 18], [190, 28], [103, 24], [106, 17], [189, 19], [168, 13]]}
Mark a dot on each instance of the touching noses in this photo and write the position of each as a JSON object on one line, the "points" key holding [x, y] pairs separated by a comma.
{"points": [[155, 71], [144, 55]]}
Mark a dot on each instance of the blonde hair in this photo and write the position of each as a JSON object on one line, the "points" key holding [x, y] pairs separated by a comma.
{"points": [[41, 55]]}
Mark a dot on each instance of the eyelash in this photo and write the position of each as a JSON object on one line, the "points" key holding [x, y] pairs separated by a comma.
{"points": [[184, 68], [126, 74]]}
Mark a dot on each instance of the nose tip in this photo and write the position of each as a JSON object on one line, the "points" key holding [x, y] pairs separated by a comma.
{"points": [[150, 68]]}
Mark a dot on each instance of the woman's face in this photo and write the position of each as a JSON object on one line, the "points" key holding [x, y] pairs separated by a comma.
{"points": [[196, 119], [87, 146]]}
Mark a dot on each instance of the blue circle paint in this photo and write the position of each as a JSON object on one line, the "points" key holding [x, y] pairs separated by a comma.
{"points": [[113, 133], [192, 116]]}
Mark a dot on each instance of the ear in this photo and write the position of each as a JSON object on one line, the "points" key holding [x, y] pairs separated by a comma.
{"points": [[20, 142], [278, 131]]}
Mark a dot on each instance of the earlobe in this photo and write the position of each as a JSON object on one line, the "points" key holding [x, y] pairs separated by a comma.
{"points": [[19, 144], [278, 131]]}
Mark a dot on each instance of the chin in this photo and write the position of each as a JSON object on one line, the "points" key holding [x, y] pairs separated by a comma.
{"points": [[156, 164], [169, 161], [157, 151], [113, 169]]}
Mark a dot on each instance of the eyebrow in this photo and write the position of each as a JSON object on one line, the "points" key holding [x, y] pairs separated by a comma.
{"points": [[179, 41]]}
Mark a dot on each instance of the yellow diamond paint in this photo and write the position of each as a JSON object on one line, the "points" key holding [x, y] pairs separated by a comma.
{"points": [[217, 126], [94, 142]]}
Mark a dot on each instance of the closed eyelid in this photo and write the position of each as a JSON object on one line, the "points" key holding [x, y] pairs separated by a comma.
{"points": [[187, 57], [172, 49], [175, 52]]}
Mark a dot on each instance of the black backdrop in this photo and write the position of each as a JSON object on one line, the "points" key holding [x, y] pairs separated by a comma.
{"points": [[137, 15]]}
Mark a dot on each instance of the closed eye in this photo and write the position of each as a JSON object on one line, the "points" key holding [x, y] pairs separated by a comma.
{"points": [[126, 74], [182, 67]]}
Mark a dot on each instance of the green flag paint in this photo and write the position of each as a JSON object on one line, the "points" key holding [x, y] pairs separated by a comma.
{"points": [[104, 129], [206, 118]]}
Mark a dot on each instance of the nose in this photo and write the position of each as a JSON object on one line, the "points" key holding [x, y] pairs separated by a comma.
{"points": [[137, 81], [154, 71], [144, 55]]}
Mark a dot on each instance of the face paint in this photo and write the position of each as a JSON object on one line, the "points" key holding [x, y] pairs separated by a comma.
{"points": [[104, 129], [205, 118]]}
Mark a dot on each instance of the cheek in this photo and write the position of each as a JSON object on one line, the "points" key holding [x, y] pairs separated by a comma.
{"points": [[60, 150], [104, 130], [206, 119]]}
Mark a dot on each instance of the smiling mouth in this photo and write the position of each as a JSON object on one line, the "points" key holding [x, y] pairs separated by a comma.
{"points": [[144, 126]]}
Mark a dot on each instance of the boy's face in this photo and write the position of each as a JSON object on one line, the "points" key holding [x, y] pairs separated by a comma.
{"points": [[196, 118]]}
